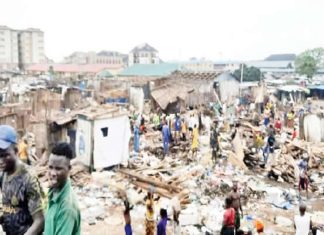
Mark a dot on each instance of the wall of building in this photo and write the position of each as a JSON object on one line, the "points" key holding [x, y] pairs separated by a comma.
{"points": [[20, 46], [8, 48], [32, 46], [14, 47], [72, 99], [136, 98], [314, 128], [83, 143], [40, 130], [199, 66], [5, 46], [38, 53], [113, 148], [143, 57], [93, 58], [229, 90]]}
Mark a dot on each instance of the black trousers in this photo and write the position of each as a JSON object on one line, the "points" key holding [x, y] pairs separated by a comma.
{"points": [[227, 231]]}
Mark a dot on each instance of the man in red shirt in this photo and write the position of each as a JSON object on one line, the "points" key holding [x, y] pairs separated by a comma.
{"points": [[229, 218], [294, 134], [278, 125]]}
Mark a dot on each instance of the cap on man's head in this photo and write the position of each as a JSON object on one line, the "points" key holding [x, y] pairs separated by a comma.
{"points": [[8, 136]]}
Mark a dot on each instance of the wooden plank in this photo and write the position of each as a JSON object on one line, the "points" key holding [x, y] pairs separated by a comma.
{"points": [[150, 181], [160, 191]]}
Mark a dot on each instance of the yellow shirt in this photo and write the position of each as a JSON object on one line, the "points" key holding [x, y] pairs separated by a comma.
{"points": [[195, 136], [259, 141], [183, 127], [290, 116], [22, 151]]}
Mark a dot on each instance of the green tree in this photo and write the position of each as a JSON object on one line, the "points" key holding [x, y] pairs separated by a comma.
{"points": [[250, 74], [308, 62]]}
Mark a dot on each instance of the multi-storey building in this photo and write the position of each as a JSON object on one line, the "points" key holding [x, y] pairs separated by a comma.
{"points": [[199, 65], [19, 48], [8, 47], [103, 57], [31, 46], [143, 54]]}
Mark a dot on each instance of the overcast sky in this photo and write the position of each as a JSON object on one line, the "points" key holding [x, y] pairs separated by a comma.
{"points": [[179, 29]]}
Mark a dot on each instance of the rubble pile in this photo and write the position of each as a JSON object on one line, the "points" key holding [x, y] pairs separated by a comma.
{"points": [[198, 184], [283, 165]]}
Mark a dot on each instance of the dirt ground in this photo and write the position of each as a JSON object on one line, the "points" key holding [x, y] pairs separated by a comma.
{"points": [[114, 223]]}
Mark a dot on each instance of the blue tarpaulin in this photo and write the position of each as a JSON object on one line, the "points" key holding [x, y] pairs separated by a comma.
{"points": [[116, 100]]}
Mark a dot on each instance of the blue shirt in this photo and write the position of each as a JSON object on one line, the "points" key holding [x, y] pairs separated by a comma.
{"points": [[161, 227], [166, 133], [178, 124], [303, 165]]}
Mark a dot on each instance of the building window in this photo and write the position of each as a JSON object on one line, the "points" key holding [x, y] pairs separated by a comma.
{"points": [[104, 131]]}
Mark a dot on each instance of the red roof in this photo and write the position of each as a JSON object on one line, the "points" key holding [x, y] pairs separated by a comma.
{"points": [[73, 68]]}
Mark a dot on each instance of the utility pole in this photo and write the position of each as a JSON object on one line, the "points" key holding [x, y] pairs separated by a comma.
{"points": [[242, 68], [9, 93]]}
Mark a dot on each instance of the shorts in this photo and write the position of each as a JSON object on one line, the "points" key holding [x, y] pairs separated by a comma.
{"points": [[227, 231]]}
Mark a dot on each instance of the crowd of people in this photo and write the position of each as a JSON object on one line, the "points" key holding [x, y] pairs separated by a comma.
{"points": [[28, 210], [174, 129], [273, 129]]}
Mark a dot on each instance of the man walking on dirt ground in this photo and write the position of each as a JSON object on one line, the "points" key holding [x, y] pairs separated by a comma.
{"points": [[235, 196]]}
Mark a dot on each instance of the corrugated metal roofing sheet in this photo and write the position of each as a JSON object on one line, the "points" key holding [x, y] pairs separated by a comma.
{"points": [[153, 70], [316, 87], [72, 68], [291, 88], [270, 64], [173, 92]]}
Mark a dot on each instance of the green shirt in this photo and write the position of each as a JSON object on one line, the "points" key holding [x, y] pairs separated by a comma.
{"points": [[63, 213]]}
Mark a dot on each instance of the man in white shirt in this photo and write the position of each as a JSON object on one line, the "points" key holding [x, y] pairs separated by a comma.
{"points": [[303, 223], [192, 122]]}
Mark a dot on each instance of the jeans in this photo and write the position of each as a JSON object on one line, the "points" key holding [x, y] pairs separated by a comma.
{"points": [[165, 146]]}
